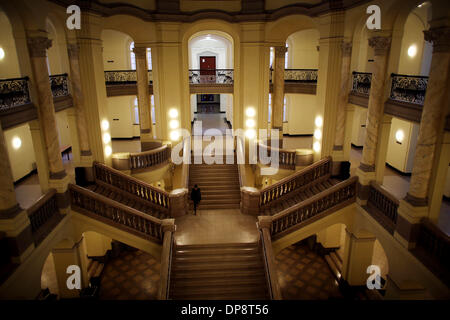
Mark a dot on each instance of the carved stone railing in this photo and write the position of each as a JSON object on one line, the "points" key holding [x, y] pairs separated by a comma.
{"points": [[382, 206], [14, 92], [115, 178], [169, 229], [361, 82], [314, 208], [147, 159], [117, 77], [286, 158], [320, 169], [407, 88], [42, 212], [215, 76], [59, 84], [298, 75], [116, 214], [264, 224]]}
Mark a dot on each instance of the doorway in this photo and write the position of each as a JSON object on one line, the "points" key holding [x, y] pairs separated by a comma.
{"points": [[207, 65]]}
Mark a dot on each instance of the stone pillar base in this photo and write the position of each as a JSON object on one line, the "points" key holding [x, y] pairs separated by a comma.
{"points": [[408, 223], [363, 185], [62, 192]]}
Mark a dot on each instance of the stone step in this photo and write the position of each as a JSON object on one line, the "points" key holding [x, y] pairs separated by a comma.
{"points": [[259, 279], [203, 290], [215, 251], [224, 258]]}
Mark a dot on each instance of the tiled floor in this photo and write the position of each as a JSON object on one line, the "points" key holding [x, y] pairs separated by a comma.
{"points": [[304, 275], [216, 226], [133, 275]]}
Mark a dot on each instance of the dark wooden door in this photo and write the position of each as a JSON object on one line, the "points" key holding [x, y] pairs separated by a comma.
{"points": [[207, 65]]}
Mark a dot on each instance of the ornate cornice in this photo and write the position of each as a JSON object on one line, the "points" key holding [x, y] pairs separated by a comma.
{"points": [[38, 46], [73, 49], [380, 44], [140, 52], [440, 38], [346, 49]]}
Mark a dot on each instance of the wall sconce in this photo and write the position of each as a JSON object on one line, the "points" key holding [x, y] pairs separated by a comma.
{"points": [[16, 143], [173, 124], [399, 136], [250, 112], [250, 133], [412, 50], [173, 113], [318, 134], [108, 151], [105, 124], [174, 135], [250, 123], [106, 138], [2, 53], [316, 146], [318, 121]]}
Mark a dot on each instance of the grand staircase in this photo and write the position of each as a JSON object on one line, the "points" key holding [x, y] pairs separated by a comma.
{"points": [[128, 200], [219, 184], [218, 271]]}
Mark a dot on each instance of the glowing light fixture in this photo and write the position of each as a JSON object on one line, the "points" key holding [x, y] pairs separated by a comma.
{"points": [[16, 142], [318, 121], [2, 53], [412, 50], [174, 135], [173, 113], [106, 138], [399, 136], [318, 134], [250, 133], [316, 146], [105, 124], [108, 151], [173, 124], [250, 123], [250, 112]]}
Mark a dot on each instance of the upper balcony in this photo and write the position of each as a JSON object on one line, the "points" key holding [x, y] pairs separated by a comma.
{"points": [[211, 80], [298, 81], [124, 82], [16, 105]]}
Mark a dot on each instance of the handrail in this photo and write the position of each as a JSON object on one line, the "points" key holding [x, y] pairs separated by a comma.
{"points": [[149, 158], [269, 263], [339, 195], [286, 157], [296, 180], [166, 259], [408, 88], [361, 82], [212, 76], [59, 84], [14, 92], [42, 210], [130, 184], [434, 241], [115, 213], [385, 203]]}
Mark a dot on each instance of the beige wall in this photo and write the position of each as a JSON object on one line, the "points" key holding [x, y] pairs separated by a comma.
{"points": [[116, 48], [359, 132], [63, 128], [121, 108], [301, 109], [303, 52], [275, 4], [9, 65], [412, 36], [401, 156]]}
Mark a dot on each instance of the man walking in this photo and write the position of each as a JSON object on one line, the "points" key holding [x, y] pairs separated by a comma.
{"points": [[196, 196]]}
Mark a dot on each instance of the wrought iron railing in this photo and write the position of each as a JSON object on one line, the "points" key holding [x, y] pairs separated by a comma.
{"points": [[408, 88], [298, 75], [213, 76], [328, 201], [383, 206], [14, 92], [361, 82], [124, 77], [59, 85]]}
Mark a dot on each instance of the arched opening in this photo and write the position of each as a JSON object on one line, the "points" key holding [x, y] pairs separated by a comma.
{"points": [[211, 62]]}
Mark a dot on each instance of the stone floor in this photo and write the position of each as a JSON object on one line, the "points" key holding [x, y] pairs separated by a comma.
{"points": [[304, 275], [210, 124], [133, 275]]}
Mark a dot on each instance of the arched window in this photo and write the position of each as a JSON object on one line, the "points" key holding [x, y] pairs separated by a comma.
{"points": [[133, 57], [286, 57], [284, 110], [153, 109], [270, 107], [272, 54], [135, 111]]}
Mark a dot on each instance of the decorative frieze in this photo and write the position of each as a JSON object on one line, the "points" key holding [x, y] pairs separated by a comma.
{"points": [[38, 46], [380, 44]]}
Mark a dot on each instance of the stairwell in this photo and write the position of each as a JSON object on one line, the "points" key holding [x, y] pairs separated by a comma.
{"points": [[219, 185], [218, 271]]}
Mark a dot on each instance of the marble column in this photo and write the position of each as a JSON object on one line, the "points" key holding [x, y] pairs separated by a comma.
{"points": [[38, 53], [381, 45], [143, 96], [435, 110], [78, 101], [343, 97], [14, 220], [278, 91]]}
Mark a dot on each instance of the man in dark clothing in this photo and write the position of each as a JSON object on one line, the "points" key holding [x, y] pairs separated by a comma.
{"points": [[196, 196]]}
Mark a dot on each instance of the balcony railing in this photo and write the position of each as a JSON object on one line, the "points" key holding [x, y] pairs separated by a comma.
{"points": [[117, 77], [286, 157], [14, 92], [406, 88], [298, 75], [213, 76], [150, 158], [361, 82], [59, 85], [382, 206]]}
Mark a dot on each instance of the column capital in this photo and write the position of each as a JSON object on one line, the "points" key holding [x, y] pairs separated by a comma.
{"points": [[440, 37], [280, 51], [140, 52], [381, 44], [346, 48], [73, 50], [38, 46]]}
